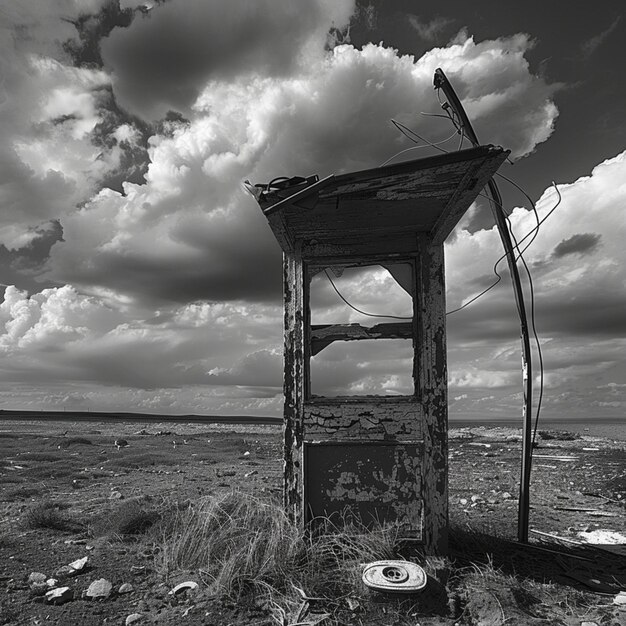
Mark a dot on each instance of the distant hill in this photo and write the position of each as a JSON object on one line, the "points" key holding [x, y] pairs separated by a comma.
{"points": [[102, 416]]}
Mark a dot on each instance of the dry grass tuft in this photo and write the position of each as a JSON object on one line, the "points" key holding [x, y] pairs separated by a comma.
{"points": [[240, 545], [130, 519], [49, 515]]}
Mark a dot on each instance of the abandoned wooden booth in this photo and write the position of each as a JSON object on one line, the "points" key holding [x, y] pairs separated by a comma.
{"points": [[382, 457]]}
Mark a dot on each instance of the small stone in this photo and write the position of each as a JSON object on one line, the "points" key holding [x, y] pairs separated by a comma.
{"points": [[133, 618], [246, 453], [588, 624], [190, 584], [252, 473], [125, 588], [79, 564], [506, 496], [620, 599], [60, 595], [36, 577], [115, 495], [64, 572], [52, 582], [39, 589], [476, 498], [463, 501], [100, 588]]}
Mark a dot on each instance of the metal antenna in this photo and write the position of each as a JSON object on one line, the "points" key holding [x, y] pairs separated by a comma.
{"points": [[441, 82]]}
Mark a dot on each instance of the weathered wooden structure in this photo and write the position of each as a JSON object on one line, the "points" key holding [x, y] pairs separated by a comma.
{"points": [[382, 457]]}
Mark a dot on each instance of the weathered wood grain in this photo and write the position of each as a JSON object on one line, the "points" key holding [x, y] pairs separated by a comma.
{"points": [[322, 335], [432, 381], [363, 419]]}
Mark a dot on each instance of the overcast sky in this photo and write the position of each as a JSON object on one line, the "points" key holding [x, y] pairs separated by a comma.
{"points": [[138, 276]]}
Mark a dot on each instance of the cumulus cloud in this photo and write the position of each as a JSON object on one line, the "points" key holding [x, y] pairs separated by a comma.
{"points": [[59, 335], [49, 112], [165, 57], [173, 281], [211, 241], [579, 286]]}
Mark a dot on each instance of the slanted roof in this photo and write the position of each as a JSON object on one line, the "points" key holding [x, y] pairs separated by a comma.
{"points": [[423, 195]]}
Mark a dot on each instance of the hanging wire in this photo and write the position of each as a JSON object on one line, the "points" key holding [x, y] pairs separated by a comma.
{"points": [[416, 148], [395, 317], [533, 233]]}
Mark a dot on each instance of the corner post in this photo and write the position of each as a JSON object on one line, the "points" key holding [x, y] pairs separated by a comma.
{"points": [[293, 382], [433, 380]]}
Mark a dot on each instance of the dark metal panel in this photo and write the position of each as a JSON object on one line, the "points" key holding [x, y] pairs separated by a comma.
{"points": [[377, 481]]}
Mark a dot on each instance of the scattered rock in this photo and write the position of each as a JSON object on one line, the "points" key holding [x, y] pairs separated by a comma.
{"points": [[186, 586], [246, 453], [39, 589], [506, 496], [463, 501], [115, 495], [252, 473], [588, 624], [60, 595], [36, 577], [620, 599], [125, 588], [133, 618], [79, 564], [224, 473], [100, 588], [52, 582], [65, 572]]}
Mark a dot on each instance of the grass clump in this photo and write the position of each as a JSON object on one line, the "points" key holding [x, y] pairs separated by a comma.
{"points": [[143, 459], [23, 493], [49, 515], [242, 546], [130, 519], [75, 441]]}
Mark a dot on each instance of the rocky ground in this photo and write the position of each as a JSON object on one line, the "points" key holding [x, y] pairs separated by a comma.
{"points": [[75, 498]]}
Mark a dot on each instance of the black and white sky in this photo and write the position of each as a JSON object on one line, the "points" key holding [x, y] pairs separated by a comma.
{"points": [[138, 276]]}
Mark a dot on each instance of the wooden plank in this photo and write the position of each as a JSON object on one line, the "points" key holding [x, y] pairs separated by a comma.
{"points": [[363, 419], [432, 382], [293, 383], [476, 177], [325, 334]]}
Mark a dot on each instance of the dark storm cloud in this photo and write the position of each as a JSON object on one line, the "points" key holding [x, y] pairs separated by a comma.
{"points": [[164, 58], [583, 243], [599, 315]]}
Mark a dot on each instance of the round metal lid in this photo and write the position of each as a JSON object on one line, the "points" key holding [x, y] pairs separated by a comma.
{"points": [[394, 576]]}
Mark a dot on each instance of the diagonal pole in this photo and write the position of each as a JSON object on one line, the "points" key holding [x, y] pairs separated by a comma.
{"points": [[441, 82]]}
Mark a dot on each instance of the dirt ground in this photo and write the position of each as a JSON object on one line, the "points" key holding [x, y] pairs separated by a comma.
{"points": [[578, 486]]}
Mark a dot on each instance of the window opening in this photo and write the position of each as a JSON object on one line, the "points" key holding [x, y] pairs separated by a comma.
{"points": [[361, 333]]}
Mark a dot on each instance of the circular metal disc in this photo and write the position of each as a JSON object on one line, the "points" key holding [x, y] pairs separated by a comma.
{"points": [[394, 576]]}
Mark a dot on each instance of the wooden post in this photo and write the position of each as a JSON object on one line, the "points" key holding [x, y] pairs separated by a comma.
{"points": [[433, 386], [293, 382]]}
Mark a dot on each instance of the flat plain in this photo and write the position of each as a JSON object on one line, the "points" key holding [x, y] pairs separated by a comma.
{"points": [[127, 496]]}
